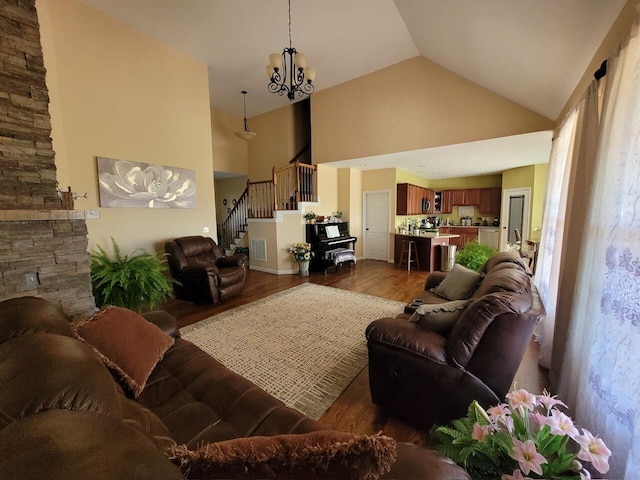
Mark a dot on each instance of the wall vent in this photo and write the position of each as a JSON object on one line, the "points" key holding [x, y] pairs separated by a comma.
{"points": [[258, 249]]}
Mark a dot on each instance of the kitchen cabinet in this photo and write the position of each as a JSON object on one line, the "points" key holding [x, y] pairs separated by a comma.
{"points": [[487, 199], [446, 201], [413, 200], [473, 197], [428, 250], [459, 197], [466, 235], [490, 199]]}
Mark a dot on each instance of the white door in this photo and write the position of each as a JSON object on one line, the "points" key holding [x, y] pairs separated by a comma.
{"points": [[515, 215], [376, 225]]}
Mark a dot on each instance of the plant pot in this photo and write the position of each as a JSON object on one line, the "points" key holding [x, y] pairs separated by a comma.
{"points": [[303, 268]]}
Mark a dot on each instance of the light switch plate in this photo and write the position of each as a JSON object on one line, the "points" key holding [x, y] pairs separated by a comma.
{"points": [[91, 214]]}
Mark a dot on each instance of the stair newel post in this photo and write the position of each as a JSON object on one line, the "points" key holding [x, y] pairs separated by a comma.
{"points": [[297, 187]]}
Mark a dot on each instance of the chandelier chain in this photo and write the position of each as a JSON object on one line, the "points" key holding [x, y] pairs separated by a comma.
{"points": [[290, 43]]}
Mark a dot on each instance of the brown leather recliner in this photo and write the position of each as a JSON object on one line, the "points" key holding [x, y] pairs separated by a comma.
{"points": [[426, 378], [205, 274]]}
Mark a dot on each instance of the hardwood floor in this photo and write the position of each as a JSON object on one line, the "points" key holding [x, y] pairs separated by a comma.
{"points": [[353, 411]]}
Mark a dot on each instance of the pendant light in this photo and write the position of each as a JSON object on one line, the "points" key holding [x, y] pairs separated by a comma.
{"points": [[245, 133]]}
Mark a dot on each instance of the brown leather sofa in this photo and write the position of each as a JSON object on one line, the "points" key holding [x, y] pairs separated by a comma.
{"points": [[426, 377], [204, 273], [63, 415]]}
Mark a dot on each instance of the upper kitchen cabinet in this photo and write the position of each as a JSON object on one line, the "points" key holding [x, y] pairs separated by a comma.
{"points": [[490, 199], [414, 200], [466, 197], [446, 201], [487, 199]]}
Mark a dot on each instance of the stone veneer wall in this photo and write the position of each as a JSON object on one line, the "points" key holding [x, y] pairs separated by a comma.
{"points": [[36, 235]]}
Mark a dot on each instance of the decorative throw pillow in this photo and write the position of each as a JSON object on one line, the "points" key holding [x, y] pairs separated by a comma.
{"points": [[127, 343], [315, 455], [440, 317], [459, 283]]}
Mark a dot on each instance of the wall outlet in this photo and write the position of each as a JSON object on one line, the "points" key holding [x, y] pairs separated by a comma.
{"points": [[205, 229], [31, 279], [91, 214]]}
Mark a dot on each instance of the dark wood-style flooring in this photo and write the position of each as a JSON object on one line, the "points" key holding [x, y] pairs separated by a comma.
{"points": [[353, 411]]}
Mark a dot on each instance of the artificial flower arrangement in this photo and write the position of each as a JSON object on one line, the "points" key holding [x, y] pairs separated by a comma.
{"points": [[524, 439], [300, 252]]}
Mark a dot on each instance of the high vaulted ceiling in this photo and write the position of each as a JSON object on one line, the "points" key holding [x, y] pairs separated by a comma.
{"points": [[532, 52]]}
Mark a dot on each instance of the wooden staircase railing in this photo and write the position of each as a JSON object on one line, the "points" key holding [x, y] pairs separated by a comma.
{"points": [[236, 221], [289, 186], [261, 199], [293, 184]]}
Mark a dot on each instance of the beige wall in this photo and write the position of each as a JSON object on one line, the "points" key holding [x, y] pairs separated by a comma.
{"points": [[350, 202], [411, 105], [228, 189], [230, 153], [613, 38], [275, 144], [119, 94]]}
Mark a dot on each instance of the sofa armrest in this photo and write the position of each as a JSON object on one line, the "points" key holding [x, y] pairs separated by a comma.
{"points": [[409, 337], [434, 279], [164, 321], [237, 260]]}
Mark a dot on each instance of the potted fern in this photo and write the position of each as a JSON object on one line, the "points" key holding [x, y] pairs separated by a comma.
{"points": [[133, 281]]}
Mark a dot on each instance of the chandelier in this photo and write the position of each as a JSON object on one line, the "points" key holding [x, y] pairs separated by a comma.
{"points": [[245, 133], [288, 72]]}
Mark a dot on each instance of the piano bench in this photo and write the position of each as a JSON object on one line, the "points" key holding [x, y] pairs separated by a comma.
{"points": [[337, 257]]}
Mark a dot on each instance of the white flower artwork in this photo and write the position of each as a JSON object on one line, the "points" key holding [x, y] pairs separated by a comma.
{"points": [[125, 183]]}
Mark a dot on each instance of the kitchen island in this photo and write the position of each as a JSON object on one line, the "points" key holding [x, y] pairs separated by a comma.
{"points": [[427, 246]]}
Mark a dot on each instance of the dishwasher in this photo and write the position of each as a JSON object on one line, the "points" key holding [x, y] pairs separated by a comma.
{"points": [[489, 237]]}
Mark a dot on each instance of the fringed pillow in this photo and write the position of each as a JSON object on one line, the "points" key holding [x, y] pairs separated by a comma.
{"points": [[316, 455], [127, 343]]}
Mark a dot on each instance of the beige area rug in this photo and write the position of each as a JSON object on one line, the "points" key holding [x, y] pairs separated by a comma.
{"points": [[303, 345]]}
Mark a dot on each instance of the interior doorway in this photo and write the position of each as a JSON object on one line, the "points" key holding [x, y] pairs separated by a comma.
{"points": [[516, 211], [376, 225]]}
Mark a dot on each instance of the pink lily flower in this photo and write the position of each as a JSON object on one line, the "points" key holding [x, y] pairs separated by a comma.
{"points": [[517, 475], [527, 456], [561, 424], [480, 432], [521, 398], [549, 401], [593, 450]]}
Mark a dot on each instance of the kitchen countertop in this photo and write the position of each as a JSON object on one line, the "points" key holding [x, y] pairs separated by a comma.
{"points": [[469, 226], [429, 235]]}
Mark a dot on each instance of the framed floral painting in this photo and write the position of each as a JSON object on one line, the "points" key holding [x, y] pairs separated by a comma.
{"points": [[124, 183]]}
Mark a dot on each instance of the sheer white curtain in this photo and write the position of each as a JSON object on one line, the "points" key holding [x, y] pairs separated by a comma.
{"points": [[597, 365], [547, 271]]}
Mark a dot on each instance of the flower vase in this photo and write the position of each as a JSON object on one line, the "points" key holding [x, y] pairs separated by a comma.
{"points": [[303, 268]]}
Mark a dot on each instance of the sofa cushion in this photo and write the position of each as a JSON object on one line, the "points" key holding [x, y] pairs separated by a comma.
{"points": [[41, 371], [512, 259], [202, 401], [127, 343], [459, 283], [439, 317], [68, 445], [316, 455], [25, 315]]}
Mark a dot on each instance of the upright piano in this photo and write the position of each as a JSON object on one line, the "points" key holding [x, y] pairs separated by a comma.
{"points": [[326, 240]]}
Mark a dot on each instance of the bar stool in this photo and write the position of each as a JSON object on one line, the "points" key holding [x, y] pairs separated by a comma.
{"points": [[408, 251]]}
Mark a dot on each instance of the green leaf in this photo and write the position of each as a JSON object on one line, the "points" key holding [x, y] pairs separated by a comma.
{"points": [[133, 281]]}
